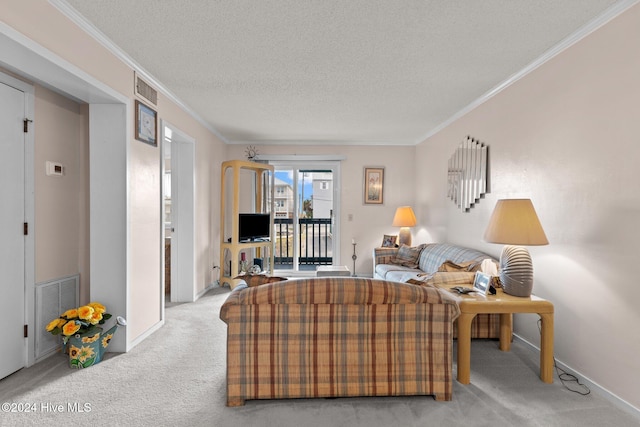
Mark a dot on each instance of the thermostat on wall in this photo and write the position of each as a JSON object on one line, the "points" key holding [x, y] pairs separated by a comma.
{"points": [[54, 169]]}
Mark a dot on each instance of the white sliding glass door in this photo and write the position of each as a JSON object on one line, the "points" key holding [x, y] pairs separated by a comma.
{"points": [[306, 207]]}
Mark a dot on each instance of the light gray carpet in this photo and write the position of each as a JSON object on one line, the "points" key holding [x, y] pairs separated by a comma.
{"points": [[177, 377]]}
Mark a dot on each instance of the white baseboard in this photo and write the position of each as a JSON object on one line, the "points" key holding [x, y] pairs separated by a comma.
{"points": [[145, 335], [206, 289], [593, 386]]}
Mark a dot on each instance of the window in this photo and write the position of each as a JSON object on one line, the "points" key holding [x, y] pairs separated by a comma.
{"points": [[306, 233]]}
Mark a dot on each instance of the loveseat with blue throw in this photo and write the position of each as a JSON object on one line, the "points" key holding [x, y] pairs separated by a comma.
{"points": [[338, 337], [404, 263], [433, 264]]}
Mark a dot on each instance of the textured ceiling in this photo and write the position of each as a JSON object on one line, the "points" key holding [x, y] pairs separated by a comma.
{"points": [[333, 71]]}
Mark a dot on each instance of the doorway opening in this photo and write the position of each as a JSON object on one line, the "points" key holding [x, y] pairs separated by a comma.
{"points": [[178, 213]]}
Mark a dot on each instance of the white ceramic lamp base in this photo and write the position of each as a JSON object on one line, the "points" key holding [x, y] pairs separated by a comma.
{"points": [[516, 271], [404, 237]]}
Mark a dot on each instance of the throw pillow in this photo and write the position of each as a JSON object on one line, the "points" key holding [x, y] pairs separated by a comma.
{"points": [[419, 282], [449, 278], [259, 279], [449, 265], [408, 256]]}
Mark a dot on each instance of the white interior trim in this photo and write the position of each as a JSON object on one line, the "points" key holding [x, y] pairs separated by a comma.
{"points": [[590, 27], [109, 242], [29, 215], [301, 157], [593, 386], [396, 142], [27, 58], [109, 129], [183, 208], [93, 32], [316, 162]]}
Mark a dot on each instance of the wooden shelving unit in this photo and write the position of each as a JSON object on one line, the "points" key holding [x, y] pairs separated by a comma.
{"points": [[263, 203]]}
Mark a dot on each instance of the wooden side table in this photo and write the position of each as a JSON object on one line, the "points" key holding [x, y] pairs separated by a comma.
{"points": [[505, 305]]}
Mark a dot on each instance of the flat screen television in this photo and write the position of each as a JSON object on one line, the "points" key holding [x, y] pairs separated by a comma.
{"points": [[253, 226]]}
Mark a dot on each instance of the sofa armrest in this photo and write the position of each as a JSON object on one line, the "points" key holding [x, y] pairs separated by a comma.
{"points": [[383, 256], [232, 299]]}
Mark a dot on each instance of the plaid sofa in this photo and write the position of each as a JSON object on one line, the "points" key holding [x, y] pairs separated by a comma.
{"points": [[431, 259], [338, 337]]}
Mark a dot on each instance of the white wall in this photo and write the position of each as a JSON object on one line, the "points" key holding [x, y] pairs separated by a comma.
{"points": [[45, 26], [567, 137], [370, 222], [61, 201]]}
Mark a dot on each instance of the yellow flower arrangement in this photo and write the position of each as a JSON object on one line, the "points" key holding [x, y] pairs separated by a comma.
{"points": [[81, 329], [79, 321], [106, 340]]}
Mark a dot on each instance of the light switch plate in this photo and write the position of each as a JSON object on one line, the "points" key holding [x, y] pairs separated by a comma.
{"points": [[54, 169]]}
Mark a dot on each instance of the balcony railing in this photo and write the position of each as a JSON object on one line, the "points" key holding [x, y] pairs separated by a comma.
{"points": [[314, 243]]}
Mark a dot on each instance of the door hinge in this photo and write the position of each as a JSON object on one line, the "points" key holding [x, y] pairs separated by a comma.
{"points": [[26, 228], [26, 125], [26, 331]]}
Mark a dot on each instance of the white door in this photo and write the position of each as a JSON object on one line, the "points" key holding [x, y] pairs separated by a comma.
{"points": [[306, 205], [183, 210], [12, 146]]}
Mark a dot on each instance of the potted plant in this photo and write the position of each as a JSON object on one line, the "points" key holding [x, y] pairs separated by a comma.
{"points": [[82, 335]]}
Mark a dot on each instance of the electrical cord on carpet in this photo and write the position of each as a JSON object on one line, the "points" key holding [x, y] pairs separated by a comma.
{"points": [[566, 377]]}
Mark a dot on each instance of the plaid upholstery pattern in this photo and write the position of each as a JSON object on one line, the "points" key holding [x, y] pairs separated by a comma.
{"points": [[435, 254], [483, 325], [408, 256], [384, 255], [329, 337], [432, 257], [457, 277]]}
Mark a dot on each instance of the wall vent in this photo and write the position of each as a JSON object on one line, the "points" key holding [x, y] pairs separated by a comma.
{"points": [[144, 90], [52, 299]]}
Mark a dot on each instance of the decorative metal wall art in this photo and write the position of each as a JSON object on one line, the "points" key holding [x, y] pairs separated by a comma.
{"points": [[467, 173]]}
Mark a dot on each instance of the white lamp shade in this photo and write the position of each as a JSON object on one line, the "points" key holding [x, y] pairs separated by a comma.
{"points": [[404, 217], [515, 222]]}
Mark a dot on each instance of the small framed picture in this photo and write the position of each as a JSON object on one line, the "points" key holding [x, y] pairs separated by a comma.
{"points": [[482, 283], [373, 186], [389, 241], [146, 124]]}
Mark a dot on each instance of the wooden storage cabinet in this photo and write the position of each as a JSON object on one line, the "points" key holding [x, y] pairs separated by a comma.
{"points": [[230, 246]]}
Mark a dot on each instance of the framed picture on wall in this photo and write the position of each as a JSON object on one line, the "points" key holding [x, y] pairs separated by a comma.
{"points": [[146, 124], [373, 186]]}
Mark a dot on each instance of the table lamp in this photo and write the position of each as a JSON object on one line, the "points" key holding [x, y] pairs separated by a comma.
{"points": [[404, 218], [514, 222]]}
